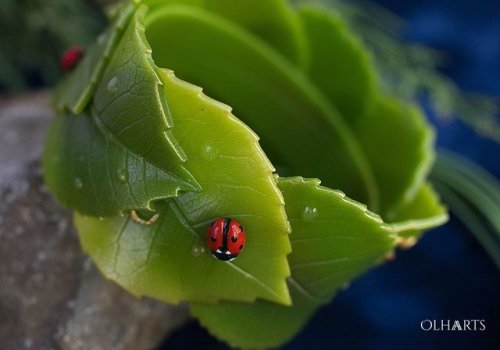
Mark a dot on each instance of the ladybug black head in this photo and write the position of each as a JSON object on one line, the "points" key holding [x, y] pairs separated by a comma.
{"points": [[224, 254]]}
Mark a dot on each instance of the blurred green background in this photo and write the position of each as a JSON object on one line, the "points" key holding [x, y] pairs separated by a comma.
{"points": [[34, 33]]}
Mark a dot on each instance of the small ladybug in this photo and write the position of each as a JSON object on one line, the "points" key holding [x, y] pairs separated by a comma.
{"points": [[226, 238], [71, 57]]}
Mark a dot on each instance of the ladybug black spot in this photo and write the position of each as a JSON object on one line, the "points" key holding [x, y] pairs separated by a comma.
{"points": [[234, 238], [241, 247], [241, 228], [213, 238]]}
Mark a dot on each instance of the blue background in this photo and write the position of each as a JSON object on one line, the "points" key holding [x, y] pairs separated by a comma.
{"points": [[447, 275]]}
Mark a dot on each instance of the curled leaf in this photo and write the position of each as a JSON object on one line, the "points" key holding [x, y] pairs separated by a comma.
{"points": [[130, 102], [299, 129], [131, 138], [422, 213], [339, 64], [167, 260], [88, 169], [334, 239], [399, 144]]}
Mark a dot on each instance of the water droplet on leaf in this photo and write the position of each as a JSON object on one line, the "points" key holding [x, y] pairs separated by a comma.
{"points": [[209, 152], [122, 176], [112, 86], [197, 249], [309, 213]]}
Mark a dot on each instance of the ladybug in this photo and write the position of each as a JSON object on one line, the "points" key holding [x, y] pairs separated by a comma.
{"points": [[71, 57], [226, 238]]}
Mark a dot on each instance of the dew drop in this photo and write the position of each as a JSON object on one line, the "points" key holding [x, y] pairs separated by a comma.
{"points": [[78, 183], [309, 213], [197, 249], [112, 86], [122, 176], [209, 152]]}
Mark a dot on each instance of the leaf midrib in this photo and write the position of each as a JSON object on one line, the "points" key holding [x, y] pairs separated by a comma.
{"points": [[177, 209]]}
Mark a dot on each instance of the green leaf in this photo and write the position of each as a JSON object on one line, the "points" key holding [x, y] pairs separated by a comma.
{"points": [[256, 326], [130, 102], [253, 55], [422, 213], [274, 21], [165, 260], [399, 145], [339, 64], [126, 156], [155, 4], [90, 171], [395, 137], [268, 93], [334, 239], [75, 92]]}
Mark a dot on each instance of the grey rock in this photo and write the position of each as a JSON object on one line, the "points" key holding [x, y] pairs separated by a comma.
{"points": [[51, 295]]}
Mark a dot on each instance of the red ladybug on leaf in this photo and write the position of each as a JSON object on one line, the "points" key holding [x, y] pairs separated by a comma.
{"points": [[226, 238], [71, 57]]}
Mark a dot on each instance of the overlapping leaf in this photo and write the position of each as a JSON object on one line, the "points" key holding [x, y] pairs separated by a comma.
{"points": [[339, 64], [165, 260], [395, 138], [130, 102], [125, 155], [89, 170], [334, 239], [422, 213], [299, 129], [274, 21], [148, 137], [399, 144]]}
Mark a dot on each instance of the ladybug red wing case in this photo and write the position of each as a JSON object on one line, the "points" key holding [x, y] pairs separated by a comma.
{"points": [[226, 238], [236, 237], [215, 235]]}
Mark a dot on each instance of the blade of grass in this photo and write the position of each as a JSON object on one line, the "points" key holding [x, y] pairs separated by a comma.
{"points": [[473, 196]]}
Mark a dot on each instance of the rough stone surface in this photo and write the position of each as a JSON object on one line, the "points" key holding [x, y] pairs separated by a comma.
{"points": [[51, 295]]}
